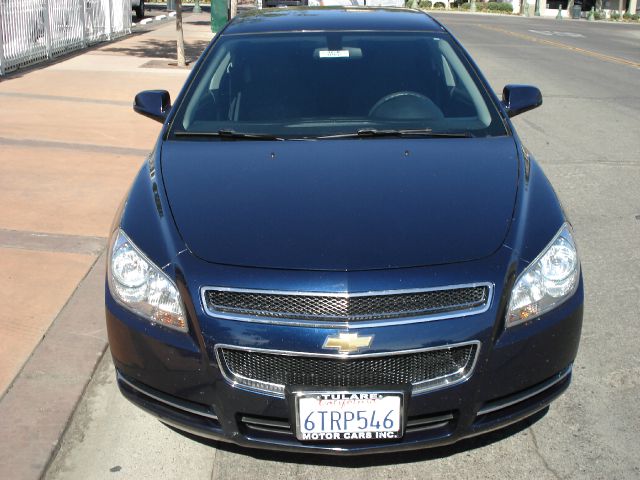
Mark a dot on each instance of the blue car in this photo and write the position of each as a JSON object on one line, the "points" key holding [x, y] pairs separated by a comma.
{"points": [[340, 245]]}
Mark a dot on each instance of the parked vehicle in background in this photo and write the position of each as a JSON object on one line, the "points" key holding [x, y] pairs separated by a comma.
{"points": [[341, 3], [284, 3], [361, 3], [138, 6]]}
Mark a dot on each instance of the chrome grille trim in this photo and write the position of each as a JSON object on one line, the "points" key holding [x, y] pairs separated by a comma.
{"points": [[526, 395], [398, 318], [278, 390], [164, 399], [428, 422]]}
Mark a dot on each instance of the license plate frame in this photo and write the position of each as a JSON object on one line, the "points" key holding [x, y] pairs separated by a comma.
{"points": [[366, 434]]}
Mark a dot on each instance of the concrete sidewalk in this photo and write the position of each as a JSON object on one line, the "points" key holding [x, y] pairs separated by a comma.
{"points": [[70, 145]]}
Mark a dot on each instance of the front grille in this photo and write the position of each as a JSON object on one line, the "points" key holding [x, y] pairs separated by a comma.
{"points": [[252, 423], [272, 372], [282, 426], [347, 307], [429, 422]]}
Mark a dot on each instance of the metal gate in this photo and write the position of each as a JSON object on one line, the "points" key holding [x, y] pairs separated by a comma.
{"points": [[35, 30]]}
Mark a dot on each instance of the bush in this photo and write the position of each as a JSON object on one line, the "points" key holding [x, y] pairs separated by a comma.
{"points": [[599, 15], [439, 5], [496, 7], [614, 15], [500, 7], [480, 6], [425, 4]]}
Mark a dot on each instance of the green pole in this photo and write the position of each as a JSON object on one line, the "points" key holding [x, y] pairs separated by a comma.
{"points": [[525, 6], [219, 14], [559, 16], [196, 7], [472, 6], [537, 12]]}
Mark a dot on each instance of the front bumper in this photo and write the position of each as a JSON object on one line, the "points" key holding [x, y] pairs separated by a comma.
{"points": [[176, 376], [276, 433]]}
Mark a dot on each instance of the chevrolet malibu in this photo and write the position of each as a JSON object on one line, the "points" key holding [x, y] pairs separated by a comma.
{"points": [[340, 245]]}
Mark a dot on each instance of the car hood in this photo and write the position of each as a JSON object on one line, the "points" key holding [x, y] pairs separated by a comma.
{"points": [[342, 204]]}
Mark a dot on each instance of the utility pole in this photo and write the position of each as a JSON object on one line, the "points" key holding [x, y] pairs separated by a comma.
{"points": [[180, 36]]}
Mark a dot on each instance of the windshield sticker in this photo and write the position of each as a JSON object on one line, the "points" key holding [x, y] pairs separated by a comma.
{"points": [[333, 53]]}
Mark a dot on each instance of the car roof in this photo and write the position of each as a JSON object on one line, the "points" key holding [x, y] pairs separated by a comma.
{"points": [[331, 19]]}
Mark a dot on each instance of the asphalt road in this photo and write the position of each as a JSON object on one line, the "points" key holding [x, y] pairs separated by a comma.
{"points": [[586, 137]]}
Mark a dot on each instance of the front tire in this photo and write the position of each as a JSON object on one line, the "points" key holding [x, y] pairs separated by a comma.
{"points": [[140, 10]]}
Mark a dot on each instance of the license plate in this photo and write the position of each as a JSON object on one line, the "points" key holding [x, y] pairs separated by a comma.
{"points": [[326, 416]]}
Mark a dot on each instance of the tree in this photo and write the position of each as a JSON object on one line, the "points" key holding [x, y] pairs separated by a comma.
{"points": [[180, 40]]}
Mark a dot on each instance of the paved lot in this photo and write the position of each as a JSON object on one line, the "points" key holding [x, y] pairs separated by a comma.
{"points": [[585, 136], [70, 144], [69, 147]]}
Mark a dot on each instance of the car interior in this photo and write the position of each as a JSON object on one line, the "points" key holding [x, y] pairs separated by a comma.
{"points": [[307, 85]]}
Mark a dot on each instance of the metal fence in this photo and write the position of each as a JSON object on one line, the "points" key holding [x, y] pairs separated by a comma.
{"points": [[35, 30]]}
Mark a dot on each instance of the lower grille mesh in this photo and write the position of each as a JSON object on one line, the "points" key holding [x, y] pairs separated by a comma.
{"points": [[422, 369]]}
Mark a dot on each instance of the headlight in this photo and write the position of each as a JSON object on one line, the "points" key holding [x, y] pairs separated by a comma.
{"points": [[142, 287], [548, 281]]}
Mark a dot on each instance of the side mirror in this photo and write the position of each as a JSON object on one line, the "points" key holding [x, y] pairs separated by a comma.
{"points": [[154, 104], [518, 99]]}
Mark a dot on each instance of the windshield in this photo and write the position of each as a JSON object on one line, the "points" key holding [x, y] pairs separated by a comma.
{"points": [[324, 84]]}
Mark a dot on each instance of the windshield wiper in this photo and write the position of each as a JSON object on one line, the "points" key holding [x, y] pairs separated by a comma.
{"points": [[372, 132], [230, 134]]}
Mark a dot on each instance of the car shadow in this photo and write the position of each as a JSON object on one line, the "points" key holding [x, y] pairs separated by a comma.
{"points": [[377, 459], [200, 23]]}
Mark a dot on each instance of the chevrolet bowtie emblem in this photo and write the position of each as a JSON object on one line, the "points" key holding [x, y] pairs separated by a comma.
{"points": [[347, 342]]}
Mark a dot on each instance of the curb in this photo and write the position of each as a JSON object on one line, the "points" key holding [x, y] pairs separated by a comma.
{"points": [[157, 18], [36, 408]]}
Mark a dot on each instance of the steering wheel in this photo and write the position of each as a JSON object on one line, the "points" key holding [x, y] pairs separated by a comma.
{"points": [[405, 105]]}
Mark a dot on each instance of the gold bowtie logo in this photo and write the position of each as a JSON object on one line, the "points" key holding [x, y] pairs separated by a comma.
{"points": [[347, 342]]}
